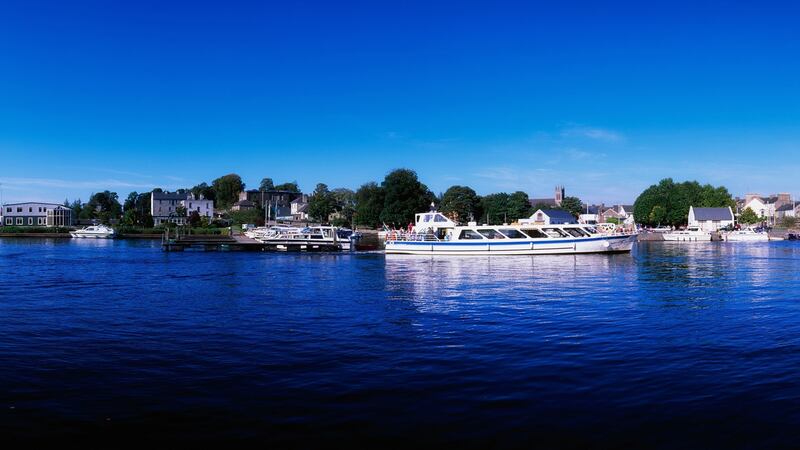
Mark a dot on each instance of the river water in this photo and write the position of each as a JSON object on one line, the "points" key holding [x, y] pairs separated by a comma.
{"points": [[676, 345]]}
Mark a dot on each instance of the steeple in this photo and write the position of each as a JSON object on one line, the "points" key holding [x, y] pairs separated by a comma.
{"points": [[559, 195]]}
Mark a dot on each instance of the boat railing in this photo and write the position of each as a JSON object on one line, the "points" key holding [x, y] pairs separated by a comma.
{"points": [[396, 236]]}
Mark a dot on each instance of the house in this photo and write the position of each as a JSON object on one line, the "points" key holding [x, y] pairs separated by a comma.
{"points": [[611, 213], [36, 214], [767, 207], [549, 217], [243, 205], [787, 210], [710, 219], [591, 214], [554, 202], [164, 206], [299, 209], [270, 198]]}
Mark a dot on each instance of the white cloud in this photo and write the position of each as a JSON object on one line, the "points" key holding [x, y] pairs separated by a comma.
{"points": [[594, 133]]}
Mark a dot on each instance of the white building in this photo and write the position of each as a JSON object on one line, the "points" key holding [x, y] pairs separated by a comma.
{"points": [[710, 219], [549, 217], [35, 214], [164, 206]]}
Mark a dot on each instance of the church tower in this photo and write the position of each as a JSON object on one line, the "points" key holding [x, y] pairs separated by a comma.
{"points": [[559, 195]]}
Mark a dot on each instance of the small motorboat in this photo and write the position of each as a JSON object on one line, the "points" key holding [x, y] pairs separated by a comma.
{"points": [[94, 232], [747, 235], [690, 234]]}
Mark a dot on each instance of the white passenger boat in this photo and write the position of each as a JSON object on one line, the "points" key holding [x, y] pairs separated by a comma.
{"points": [[690, 234], [747, 235], [94, 232], [435, 234], [310, 237]]}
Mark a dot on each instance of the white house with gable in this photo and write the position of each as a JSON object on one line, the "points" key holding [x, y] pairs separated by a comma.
{"points": [[710, 219]]}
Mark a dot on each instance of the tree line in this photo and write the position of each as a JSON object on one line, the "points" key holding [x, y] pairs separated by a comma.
{"points": [[668, 202]]}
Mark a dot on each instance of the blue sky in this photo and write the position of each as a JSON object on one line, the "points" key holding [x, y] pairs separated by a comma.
{"points": [[500, 96]]}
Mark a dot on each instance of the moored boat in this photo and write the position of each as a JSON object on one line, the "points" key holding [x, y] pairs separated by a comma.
{"points": [[690, 234], [435, 234], [94, 232], [748, 234]]}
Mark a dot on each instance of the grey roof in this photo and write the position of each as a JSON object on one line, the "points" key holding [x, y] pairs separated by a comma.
{"points": [[244, 203], [786, 207], [169, 196], [542, 201], [32, 203], [627, 208], [559, 215], [712, 214]]}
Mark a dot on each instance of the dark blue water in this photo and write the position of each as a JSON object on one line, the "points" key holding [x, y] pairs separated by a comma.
{"points": [[673, 346]]}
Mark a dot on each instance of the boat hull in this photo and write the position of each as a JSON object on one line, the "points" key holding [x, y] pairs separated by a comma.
{"points": [[687, 237], [91, 236], [601, 244], [747, 238]]}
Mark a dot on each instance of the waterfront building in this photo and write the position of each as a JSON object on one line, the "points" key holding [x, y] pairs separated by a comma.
{"points": [[767, 207], [165, 207], [300, 209], [710, 219], [36, 214], [243, 205], [549, 217], [271, 197], [783, 211]]}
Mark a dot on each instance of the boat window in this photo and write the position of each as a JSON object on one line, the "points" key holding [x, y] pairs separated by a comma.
{"points": [[534, 233], [591, 230], [469, 234], [427, 217], [439, 218], [491, 234], [555, 232], [512, 233], [577, 232]]}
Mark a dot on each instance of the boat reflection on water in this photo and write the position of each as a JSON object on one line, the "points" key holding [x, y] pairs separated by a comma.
{"points": [[445, 283]]}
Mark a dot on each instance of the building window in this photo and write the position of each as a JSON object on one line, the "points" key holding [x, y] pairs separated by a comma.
{"points": [[9, 221], [19, 220], [30, 220], [8, 209], [19, 208]]}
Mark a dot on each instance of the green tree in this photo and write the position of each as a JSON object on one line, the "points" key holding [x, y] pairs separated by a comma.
{"points": [[266, 184], [194, 219], [749, 216], [369, 200], [321, 204], [461, 204], [519, 206], [227, 189], [657, 215], [404, 196], [495, 208], [675, 199], [103, 206], [291, 187], [203, 190], [788, 222], [573, 205], [345, 205]]}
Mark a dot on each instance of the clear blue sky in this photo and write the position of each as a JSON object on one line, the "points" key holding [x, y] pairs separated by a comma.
{"points": [[500, 96]]}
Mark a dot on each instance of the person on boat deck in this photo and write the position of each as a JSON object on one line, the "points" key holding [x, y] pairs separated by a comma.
{"points": [[410, 226]]}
